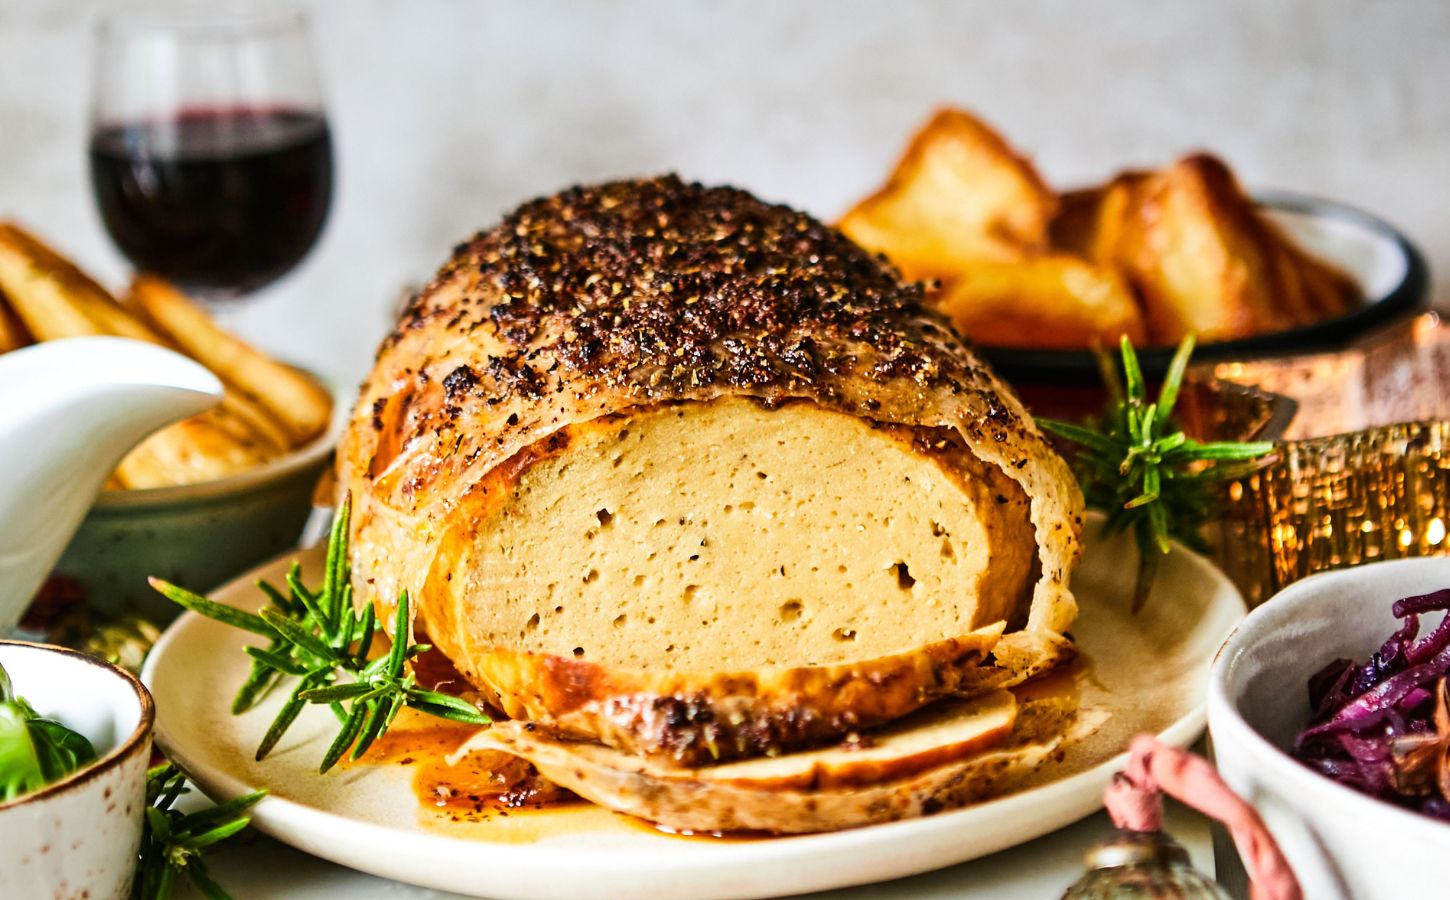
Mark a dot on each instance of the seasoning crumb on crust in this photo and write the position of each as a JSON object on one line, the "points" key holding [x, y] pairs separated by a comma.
{"points": [[656, 274]]}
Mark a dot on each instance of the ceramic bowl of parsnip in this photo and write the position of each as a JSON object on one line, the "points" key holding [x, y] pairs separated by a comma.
{"points": [[198, 501]]}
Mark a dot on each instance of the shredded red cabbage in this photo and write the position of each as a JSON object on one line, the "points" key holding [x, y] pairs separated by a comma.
{"points": [[1361, 709]]}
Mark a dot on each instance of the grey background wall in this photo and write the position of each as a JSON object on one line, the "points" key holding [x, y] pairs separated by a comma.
{"points": [[448, 112]]}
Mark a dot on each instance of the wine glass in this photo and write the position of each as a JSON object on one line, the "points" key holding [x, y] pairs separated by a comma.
{"points": [[210, 153]]}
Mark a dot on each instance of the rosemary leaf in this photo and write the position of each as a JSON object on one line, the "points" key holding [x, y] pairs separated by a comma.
{"points": [[345, 737], [366, 629], [335, 576], [285, 717], [397, 653], [372, 728], [336, 692], [1230, 450], [1146, 474], [274, 662], [1173, 380], [201, 878], [260, 681], [275, 597], [227, 615], [308, 600], [467, 717], [219, 833], [297, 633], [1078, 434]]}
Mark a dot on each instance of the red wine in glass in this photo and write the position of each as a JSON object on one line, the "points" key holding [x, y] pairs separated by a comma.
{"points": [[220, 201], [210, 155]]}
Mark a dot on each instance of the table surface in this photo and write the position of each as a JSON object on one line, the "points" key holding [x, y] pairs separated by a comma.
{"points": [[1039, 870], [448, 114]]}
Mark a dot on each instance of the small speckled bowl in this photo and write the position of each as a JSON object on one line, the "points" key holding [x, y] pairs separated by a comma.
{"points": [[194, 535], [78, 837]]}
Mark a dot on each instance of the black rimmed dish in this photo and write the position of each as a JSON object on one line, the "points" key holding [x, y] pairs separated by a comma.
{"points": [[1390, 270], [79, 836]]}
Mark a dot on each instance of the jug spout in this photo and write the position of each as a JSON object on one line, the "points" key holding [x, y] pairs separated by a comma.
{"points": [[69, 411]]}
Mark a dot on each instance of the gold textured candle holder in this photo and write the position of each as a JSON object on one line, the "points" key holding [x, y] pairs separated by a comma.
{"points": [[1362, 471]]}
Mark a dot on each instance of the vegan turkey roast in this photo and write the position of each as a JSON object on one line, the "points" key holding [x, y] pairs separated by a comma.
{"points": [[690, 477]]}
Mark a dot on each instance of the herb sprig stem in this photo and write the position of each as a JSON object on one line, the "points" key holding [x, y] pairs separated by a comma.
{"points": [[173, 842], [319, 638], [1143, 471]]}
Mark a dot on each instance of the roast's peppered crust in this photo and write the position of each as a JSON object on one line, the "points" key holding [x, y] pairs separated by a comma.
{"points": [[604, 299], [659, 290], [694, 286]]}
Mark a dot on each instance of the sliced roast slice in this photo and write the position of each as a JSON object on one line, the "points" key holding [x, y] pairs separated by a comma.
{"points": [[949, 755]]}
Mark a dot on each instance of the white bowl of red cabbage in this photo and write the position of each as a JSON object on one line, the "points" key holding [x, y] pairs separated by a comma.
{"points": [[1328, 711]]}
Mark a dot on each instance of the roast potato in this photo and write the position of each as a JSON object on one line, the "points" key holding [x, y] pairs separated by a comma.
{"points": [[958, 194], [1053, 300], [1198, 252], [12, 333], [1090, 221], [1158, 253]]}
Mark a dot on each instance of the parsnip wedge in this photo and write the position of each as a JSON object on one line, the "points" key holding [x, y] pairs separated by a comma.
{"points": [[55, 299], [44, 288], [302, 408], [202, 448]]}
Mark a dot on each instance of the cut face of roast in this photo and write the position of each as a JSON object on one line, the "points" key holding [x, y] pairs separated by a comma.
{"points": [[726, 536]]}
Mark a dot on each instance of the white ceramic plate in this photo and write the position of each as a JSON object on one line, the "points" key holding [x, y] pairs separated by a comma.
{"points": [[1148, 670]]}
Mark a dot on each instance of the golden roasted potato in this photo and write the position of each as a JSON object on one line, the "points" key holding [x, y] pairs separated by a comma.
{"points": [[1075, 226], [1090, 222], [1197, 250], [301, 408], [12, 333], [1200, 252], [1053, 300], [958, 194], [1184, 243], [1288, 289]]}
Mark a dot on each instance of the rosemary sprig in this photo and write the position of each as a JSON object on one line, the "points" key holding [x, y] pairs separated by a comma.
{"points": [[1146, 474], [173, 842], [318, 638]]}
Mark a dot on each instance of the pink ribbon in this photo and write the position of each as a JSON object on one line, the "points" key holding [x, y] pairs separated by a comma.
{"points": [[1135, 803]]}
